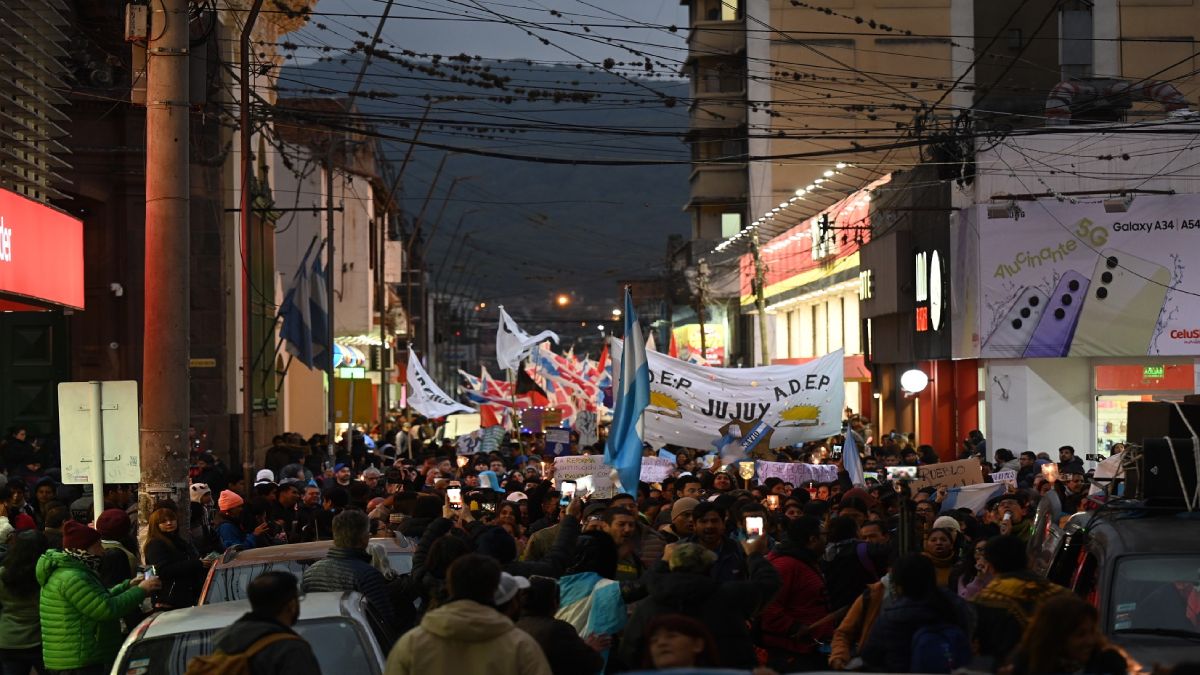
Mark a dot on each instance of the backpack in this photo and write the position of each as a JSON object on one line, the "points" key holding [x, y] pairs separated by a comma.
{"points": [[939, 648], [220, 663]]}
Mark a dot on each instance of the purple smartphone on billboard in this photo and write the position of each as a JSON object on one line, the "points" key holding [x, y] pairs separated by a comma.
{"points": [[1056, 329]]}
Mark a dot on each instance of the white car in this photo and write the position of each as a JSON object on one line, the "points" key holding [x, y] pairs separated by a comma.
{"points": [[345, 633]]}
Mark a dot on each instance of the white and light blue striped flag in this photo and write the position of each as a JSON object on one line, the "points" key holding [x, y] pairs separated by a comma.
{"points": [[305, 313], [851, 461], [974, 497], [631, 391]]}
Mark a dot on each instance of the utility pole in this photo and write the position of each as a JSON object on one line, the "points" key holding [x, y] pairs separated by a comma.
{"points": [[760, 300], [166, 404], [329, 294], [701, 303], [245, 219]]}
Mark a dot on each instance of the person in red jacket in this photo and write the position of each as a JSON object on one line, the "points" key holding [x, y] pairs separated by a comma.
{"points": [[797, 620]]}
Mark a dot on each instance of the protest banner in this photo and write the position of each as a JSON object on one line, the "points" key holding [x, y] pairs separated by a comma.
{"points": [[948, 474], [576, 467], [796, 473], [778, 406], [1009, 477], [462, 424], [558, 441]]}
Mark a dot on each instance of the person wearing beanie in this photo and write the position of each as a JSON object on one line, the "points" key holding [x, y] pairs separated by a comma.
{"points": [[80, 617], [203, 534], [230, 532], [118, 562], [682, 525]]}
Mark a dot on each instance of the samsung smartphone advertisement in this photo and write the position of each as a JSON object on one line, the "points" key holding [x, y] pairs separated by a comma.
{"points": [[1069, 279], [41, 254]]}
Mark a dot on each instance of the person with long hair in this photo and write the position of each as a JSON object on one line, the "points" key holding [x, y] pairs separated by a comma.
{"points": [[1064, 637], [175, 560], [678, 641], [20, 621]]}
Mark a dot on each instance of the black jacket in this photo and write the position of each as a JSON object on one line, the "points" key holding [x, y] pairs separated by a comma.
{"points": [[285, 657], [178, 566], [567, 653], [724, 607], [345, 569]]}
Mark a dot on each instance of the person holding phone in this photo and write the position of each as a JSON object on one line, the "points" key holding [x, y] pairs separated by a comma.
{"points": [[81, 618]]}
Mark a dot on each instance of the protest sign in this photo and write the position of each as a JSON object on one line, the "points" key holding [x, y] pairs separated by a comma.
{"points": [[587, 425], [656, 469], [948, 474], [469, 444], [693, 405], [796, 473], [558, 441], [576, 467], [1009, 477], [491, 438]]}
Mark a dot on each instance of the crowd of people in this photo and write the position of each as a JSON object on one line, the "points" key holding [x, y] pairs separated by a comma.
{"points": [[509, 575]]}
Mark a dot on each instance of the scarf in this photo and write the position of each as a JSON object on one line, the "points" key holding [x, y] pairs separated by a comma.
{"points": [[89, 560]]}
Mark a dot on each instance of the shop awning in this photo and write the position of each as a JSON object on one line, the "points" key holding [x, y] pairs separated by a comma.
{"points": [[856, 366]]}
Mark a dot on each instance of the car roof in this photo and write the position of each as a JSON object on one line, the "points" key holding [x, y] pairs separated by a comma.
{"points": [[1151, 534], [310, 550], [222, 614]]}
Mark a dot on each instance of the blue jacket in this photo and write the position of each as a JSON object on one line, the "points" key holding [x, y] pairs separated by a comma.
{"points": [[231, 535]]}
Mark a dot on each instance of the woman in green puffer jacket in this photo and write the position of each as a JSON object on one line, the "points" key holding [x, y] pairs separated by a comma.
{"points": [[81, 619], [20, 632]]}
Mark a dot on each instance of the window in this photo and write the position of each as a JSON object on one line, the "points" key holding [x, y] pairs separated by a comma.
{"points": [[731, 10], [1154, 592], [731, 224]]}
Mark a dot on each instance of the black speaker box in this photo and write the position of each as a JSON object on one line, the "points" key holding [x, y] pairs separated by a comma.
{"points": [[1156, 419], [1156, 476]]}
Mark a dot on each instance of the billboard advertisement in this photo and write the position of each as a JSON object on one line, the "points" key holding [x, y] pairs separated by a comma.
{"points": [[1069, 279]]}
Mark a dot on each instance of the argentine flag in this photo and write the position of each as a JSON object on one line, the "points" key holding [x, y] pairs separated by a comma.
{"points": [[631, 392], [851, 461]]}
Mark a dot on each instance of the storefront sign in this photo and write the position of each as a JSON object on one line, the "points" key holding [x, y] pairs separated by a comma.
{"points": [[41, 253], [1072, 280], [692, 405], [1154, 372]]}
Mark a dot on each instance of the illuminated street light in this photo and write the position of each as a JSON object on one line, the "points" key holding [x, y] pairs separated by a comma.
{"points": [[563, 300], [600, 328], [616, 311]]}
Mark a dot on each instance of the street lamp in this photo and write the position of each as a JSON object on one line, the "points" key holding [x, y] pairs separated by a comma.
{"points": [[600, 328], [563, 300], [616, 313]]}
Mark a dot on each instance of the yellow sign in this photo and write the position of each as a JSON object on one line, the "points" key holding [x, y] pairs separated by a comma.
{"points": [[687, 338], [353, 401], [202, 363]]}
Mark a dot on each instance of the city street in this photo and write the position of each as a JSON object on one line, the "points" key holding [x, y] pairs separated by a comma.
{"points": [[579, 337]]}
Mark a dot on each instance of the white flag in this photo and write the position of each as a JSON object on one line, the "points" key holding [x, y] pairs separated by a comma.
{"points": [[514, 344], [425, 396]]}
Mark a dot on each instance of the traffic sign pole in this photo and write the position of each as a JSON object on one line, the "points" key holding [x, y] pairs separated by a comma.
{"points": [[97, 424]]}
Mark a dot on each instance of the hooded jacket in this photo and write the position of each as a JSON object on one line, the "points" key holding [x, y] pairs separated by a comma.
{"points": [[285, 657], [725, 608], [889, 645], [466, 637], [81, 619]]}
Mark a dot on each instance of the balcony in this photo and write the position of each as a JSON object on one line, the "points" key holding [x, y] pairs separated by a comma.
{"points": [[718, 184]]}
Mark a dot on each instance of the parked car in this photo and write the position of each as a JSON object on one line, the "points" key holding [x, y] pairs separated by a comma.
{"points": [[345, 633], [232, 573], [1139, 566]]}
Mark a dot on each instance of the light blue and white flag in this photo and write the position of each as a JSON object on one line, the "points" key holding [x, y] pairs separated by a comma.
{"points": [[631, 393], [304, 312], [851, 461], [974, 497], [592, 604]]}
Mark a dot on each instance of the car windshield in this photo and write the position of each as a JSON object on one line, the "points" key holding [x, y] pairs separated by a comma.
{"points": [[336, 642], [229, 583], [1157, 592]]}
